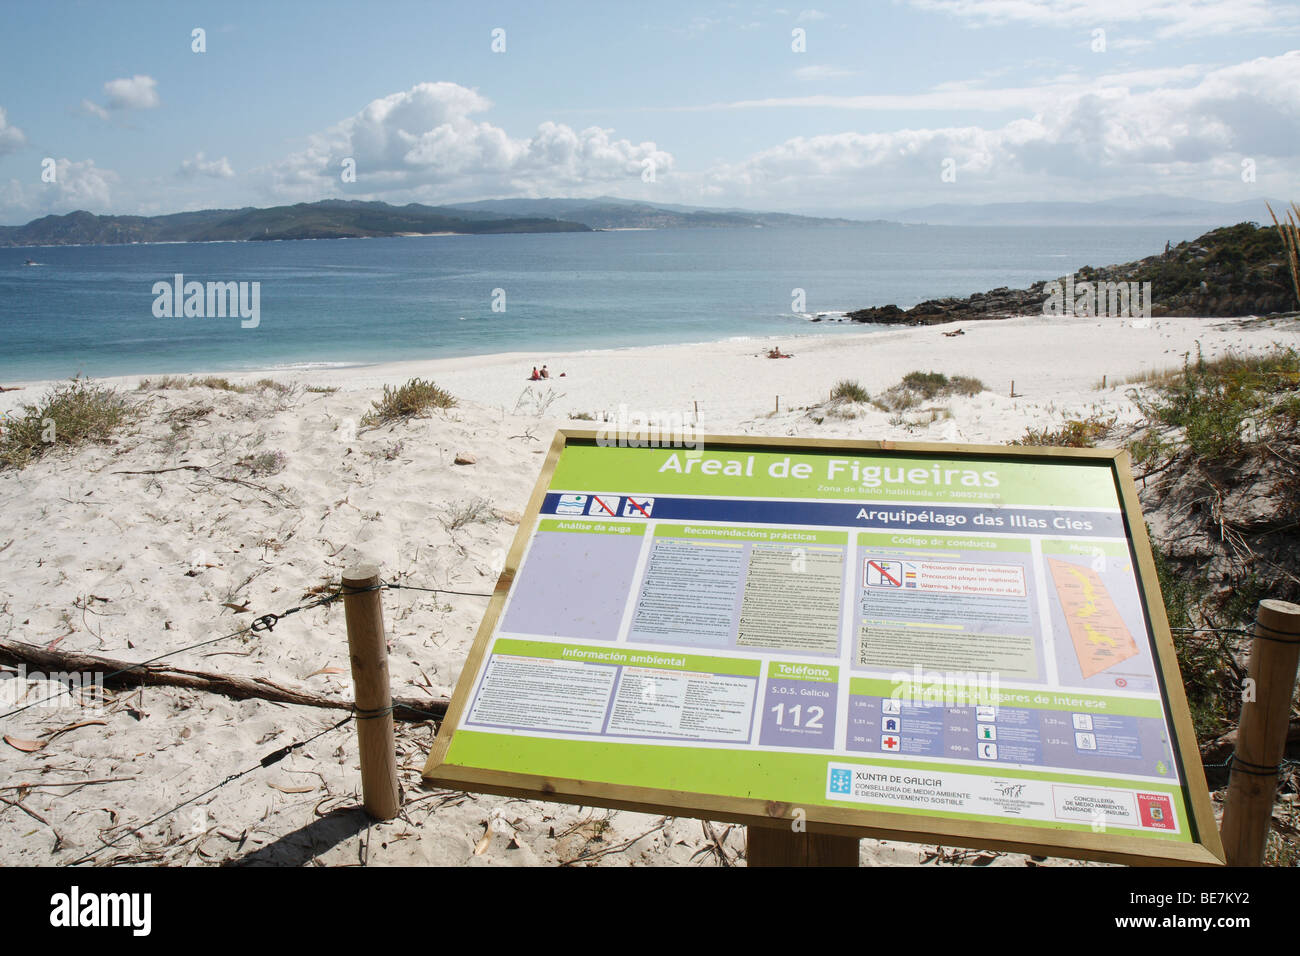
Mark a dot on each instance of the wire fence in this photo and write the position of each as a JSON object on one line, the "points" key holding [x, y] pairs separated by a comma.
{"points": [[266, 623], [263, 624]]}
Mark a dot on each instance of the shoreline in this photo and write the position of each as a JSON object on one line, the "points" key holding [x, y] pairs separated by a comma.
{"points": [[327, 366], [1041, 354]]}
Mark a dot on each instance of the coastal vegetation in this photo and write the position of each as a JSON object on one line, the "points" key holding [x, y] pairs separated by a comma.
{"points": [[412, 400], [172, 382], [1074, 433], [1211, 411], [849, 390], [919, 387], [69, 414], [1289, 231], [457, 515], [1217, 456]]}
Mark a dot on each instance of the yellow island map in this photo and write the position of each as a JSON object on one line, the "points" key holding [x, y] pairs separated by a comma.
{"points": [[1096, 628]]}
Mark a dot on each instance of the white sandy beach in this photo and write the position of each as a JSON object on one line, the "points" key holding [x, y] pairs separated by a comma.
{"points": [[131, 565]]}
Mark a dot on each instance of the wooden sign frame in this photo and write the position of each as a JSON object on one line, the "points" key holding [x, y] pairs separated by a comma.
{"points": [[1114, 846]]}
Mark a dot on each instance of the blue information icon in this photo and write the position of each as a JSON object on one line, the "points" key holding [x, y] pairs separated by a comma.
{"points": [[841, 780]]}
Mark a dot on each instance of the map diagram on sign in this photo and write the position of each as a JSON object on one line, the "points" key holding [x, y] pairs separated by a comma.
{"points": [[1097, 630]]}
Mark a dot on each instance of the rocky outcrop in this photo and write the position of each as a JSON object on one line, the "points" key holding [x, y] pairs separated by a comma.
{"points": [[1236, 270], [998, 303]]}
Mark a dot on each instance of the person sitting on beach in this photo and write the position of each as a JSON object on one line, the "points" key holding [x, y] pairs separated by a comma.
{"points": [[545, 373], [535, 376]]}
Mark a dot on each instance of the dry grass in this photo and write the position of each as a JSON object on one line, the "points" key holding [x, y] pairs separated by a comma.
{"points": [[217, 383], [460, 514], [1290, 231], [412, 400], [68, 415], [919, 387], [1074, 433], [265, 463], [1219, 407], [849, 391]]}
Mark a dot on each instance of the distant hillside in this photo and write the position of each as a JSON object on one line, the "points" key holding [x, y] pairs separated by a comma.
{"points": [[330, 219], [607, 212]]}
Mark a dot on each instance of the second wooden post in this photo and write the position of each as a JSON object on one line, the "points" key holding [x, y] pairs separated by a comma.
{"points": [[368, 650], [1261, 735]]}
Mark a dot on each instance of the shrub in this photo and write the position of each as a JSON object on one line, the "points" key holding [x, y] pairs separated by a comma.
{"points": [[918, 387], [926, 384], [1213, 401], [849, 390], [69, 414], [413, 399], [1075, 433]]}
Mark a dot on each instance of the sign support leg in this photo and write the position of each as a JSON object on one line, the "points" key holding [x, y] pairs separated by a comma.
{"points": [[781, 846]]}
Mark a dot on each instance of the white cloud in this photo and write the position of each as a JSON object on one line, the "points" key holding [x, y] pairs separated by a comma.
{"points": [[1172, 18], [424, 142], [77, 185], [809, 15], [1113, 136], [134, 93], [199, 166], [91, 108], [11, 137], [969, 96]]}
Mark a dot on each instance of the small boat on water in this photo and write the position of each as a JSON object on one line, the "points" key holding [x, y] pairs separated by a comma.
{"points": [[31, 262]]}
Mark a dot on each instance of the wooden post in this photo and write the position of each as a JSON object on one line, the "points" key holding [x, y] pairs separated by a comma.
{"points": [[1103, 381], [1013, 388], [368, 650], [781, 846], [1261, 735], [778, 403]]}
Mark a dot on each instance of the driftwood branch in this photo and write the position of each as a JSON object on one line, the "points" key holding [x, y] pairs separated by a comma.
{"points": [[240, 688], [203, 470]]}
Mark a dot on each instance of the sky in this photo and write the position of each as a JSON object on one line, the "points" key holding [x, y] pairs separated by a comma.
{"points": [[842, 108]]}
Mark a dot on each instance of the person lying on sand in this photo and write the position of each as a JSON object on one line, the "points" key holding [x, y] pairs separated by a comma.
{"points": [[956, 332], [775, 352]]}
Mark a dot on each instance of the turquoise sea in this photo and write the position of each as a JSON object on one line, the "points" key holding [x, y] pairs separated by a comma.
{"points": [[90, 309]]}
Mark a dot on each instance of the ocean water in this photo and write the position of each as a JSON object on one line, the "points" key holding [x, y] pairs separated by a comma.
{"points": [[90, 309]]}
